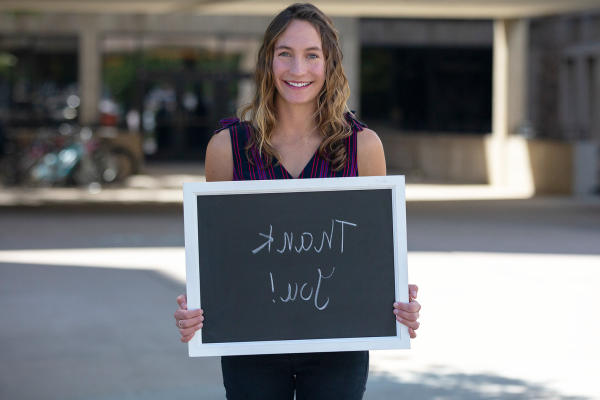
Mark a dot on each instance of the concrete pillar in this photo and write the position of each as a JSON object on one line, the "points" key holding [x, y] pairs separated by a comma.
{"points": [[349, 30], [509, 103], [595, 99], [583, 98], [89, 71], [585, 167]]}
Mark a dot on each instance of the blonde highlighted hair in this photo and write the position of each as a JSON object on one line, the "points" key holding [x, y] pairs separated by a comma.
{"points": [[330, 120]]}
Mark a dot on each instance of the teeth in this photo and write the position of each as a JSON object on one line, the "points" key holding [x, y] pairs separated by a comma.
{"points": [[298, 84]]}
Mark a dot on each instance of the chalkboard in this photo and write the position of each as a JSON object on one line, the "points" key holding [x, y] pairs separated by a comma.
{"points": [[296, 266]]}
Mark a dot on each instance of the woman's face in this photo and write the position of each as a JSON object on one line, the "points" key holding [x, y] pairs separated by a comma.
{"points": [[299, 64]]}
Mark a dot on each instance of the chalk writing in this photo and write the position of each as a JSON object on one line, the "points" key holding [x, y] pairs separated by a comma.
{"points": [[287, 239], [305, 244], [319, 287], [316, 298], [290, 294], [329, 238], [272, 286], [268, 242]]}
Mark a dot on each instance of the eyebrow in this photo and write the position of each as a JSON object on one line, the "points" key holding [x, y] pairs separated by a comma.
{"points": [[308, 49]]}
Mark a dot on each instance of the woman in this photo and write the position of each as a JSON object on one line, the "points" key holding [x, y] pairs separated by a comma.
{"points": [[297, 126]]}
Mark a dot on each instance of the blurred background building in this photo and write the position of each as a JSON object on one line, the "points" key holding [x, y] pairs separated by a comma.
{"points": [[479, 92]]}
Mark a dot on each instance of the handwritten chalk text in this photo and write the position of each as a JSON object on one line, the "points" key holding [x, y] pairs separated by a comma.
{"points": [[293, 297], [305, 241]]}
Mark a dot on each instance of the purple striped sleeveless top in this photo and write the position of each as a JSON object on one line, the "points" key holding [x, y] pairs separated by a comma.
{"points": [[244, 170]]}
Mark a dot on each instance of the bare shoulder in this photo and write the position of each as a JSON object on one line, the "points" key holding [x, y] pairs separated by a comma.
{"points": [[219, 158], [370, 155]]}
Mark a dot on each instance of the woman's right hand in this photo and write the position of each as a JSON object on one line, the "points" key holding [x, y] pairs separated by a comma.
{"points": [[188, 322]]}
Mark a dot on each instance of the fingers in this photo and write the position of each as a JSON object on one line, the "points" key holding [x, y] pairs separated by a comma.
{"points": [[411, 324], [182, 301], [185, 339], [189, 332], [188, 323], [411, 307], [181, 314], [413, 290], [408, 314], [188, 326]]}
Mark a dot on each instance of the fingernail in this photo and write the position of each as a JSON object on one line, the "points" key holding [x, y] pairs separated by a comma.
{"points": [[399, 319], [414, 295], [183, 305], [395, 304], [396, 312]]}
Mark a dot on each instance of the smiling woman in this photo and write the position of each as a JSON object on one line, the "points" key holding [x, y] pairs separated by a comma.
{"points": [[297, 126], [299, 68]]}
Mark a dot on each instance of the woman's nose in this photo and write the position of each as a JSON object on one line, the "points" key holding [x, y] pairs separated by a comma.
{"points": [[298, 67]]}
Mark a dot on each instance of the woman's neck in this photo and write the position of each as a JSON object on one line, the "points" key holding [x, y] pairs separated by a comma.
{"points": [[294, 121]]}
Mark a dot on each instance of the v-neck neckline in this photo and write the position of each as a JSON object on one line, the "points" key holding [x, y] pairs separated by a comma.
{"points": [[310, 162]]}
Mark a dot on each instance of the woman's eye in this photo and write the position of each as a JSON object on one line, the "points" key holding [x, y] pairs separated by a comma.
{"points": [[312, 56], [284, 54]]}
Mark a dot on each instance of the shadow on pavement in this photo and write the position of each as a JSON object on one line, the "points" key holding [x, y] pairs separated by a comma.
{"points": [[443, 386], [86, 333]]}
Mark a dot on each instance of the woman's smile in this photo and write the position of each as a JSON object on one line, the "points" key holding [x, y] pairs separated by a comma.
{"points": [[297, 85]]}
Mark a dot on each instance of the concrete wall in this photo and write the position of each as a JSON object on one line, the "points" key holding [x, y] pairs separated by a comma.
{"points": [[436, 158], [538, 166], [551, 166], [565, 76]]}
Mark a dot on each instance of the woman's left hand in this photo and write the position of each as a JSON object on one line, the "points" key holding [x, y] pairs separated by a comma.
{"points": [[408, 313]]}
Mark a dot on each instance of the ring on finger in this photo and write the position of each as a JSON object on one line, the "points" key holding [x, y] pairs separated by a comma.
{"points": [[179, 323]]}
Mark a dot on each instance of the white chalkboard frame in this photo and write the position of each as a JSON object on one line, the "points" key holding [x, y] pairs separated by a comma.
{"points": [[190, 193]]}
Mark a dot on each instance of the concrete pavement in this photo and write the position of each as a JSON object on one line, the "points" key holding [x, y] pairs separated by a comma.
{"points": [[508, 291]]}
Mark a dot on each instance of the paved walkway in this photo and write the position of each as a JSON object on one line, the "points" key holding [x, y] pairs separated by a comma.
{"points": [[508, 288]]}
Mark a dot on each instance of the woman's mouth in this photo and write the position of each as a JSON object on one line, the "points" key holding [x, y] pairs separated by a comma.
{"points": [[297, 85]]}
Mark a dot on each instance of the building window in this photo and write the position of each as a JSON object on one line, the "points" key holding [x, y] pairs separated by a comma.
{"points": [[171, 88], [38, 75], [427, 89]]}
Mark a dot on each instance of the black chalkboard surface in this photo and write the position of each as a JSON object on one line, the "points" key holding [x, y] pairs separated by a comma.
{"points": [[284, 266]]}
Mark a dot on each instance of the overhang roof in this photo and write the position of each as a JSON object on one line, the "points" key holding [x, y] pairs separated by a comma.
{"points": [[460, 9]]}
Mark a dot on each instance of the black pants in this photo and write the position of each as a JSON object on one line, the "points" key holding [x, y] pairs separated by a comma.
{"points": [[314, 376]]}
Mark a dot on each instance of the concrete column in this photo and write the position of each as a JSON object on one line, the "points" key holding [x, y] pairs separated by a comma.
{"points": [[349, 30], [595, 100], [582, 125], [509, 101], [89, 70]]}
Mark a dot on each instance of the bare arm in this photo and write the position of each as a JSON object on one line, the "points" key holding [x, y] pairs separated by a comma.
{"points": [[219, 167], [219, 158], [370, 156]]}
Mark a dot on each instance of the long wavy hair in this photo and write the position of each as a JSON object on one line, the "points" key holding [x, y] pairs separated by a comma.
{"points": [[329, 117]]}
